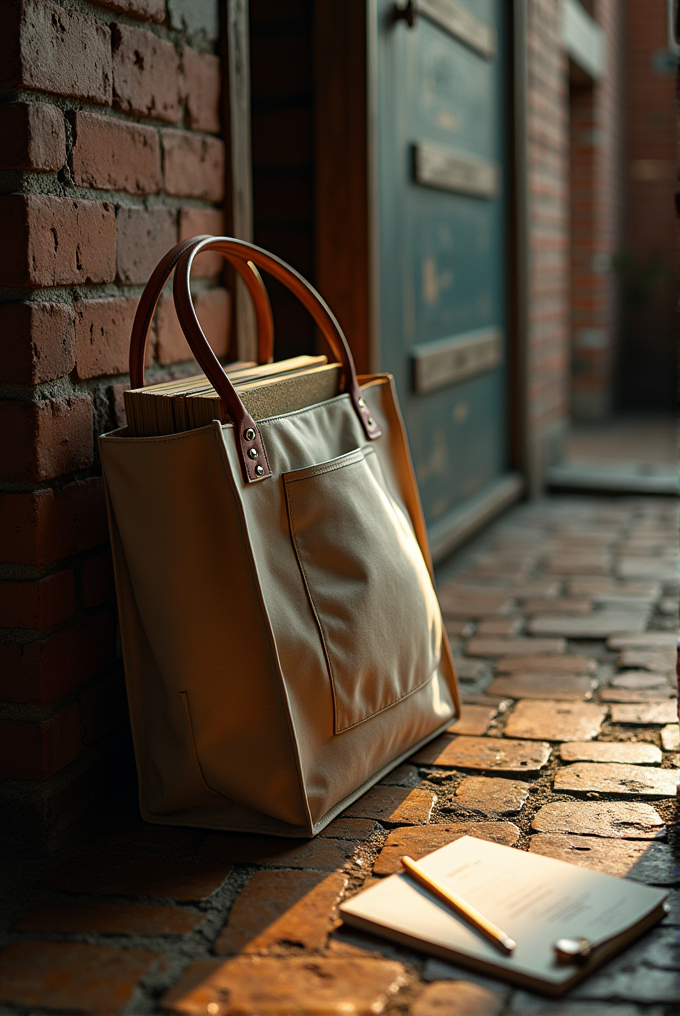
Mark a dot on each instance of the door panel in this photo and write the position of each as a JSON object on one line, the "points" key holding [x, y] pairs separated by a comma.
{"points": [[439, 104]]}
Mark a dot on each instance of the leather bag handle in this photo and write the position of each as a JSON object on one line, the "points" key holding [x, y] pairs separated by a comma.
{"points": [[253, 454], [152, 292]]}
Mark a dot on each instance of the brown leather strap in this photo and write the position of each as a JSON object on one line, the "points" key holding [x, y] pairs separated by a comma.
{"points": [[154, 287], [253, 453]]}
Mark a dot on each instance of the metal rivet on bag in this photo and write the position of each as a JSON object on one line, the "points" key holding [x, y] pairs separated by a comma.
{"points": [[362, 403], [250, 434], [370, 421], [259, 471], [252, 452]]}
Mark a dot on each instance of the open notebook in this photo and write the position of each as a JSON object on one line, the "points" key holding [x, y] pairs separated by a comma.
{"points": [[535, 900]]}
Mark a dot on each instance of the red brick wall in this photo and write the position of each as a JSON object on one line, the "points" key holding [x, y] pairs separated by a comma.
{"points": [[547, 211], [596, 140], [110, 119], [647, 365]]}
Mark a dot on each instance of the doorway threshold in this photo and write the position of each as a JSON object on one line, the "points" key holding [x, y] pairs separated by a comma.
{"points": [[458, 525], [613, 478]]}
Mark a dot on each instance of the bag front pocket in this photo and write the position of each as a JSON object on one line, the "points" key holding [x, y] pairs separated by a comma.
{"points": [[367, 583]]}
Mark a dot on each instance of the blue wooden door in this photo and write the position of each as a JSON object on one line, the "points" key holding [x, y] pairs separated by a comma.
{"points": [[440, 228]]}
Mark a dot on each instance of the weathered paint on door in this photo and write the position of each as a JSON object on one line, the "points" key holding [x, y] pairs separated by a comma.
{"points": [[439, 110]]}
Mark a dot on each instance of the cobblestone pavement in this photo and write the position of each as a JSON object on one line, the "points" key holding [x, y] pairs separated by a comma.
{"points": [[562, 617]]}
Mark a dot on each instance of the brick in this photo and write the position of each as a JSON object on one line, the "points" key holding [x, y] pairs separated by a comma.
{"points": [[202, 74], [648, 568], [457, 998], [473, 720], [611, 587], [572, 564], [404, 775], [38, 672], [645, 713], [343, 828], [650, 640], [146, 74], [98, 585], [54, 241], [202, 222], [472, 605], [69, 918], [271, 987], [173, 878], [112, 155], [53, 49], [37, 342], [638, 680], [611, 819], [469, 670], [36, 751], [487, 754], [660, 661], [213, 308], [396, 805], [549, 720], [615, 778], [103, 329], [277, 907], [144, 237], [146, 10], [595, 626], [491, 795], [276, 852], [456, 629], [34, 136], [103, 708], [416, 841], [566, 664], [45, 439], [560, 605], [540, 589], [636, 695], [564, 687], [639, 860], [38, 604], [670, 737], [515, 647], [492, 626], [635, 752], [194, 165]]}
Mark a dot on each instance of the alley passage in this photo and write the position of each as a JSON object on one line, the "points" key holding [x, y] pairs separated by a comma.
{"points": [[563, 620]]}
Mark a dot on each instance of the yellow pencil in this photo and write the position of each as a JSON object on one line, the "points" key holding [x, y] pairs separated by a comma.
{"points": [[460, 907]]}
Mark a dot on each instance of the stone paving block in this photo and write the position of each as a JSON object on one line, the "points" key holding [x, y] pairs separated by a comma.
{"points": [[70, 976], [593, 626], [458, 629], [670, 737], [548, 720], [649, 640], [492, 794], [639, 860], [397, 805], [276, 852], [457, 998], [278, 907], [637, 983], [496, 702], [615, 778], [539, 589], [629, 820], [493, 626], [470, 604], [524, 1004], [515, 647], [486, 754], [565, 687], [647, 568], [279, 987], [669, 605], [661, 661], [108, 919], [560, 605], [469, 670], [639, 680], [631, 696], [571, 564], [632, 752], [602, 587], [416, 841], [137, 876], [570, 663], [646, 713], [404, 775], [473, 720], [344, 828]]}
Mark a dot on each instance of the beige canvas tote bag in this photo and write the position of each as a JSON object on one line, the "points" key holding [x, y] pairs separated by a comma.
{"points": [[282, 640]]}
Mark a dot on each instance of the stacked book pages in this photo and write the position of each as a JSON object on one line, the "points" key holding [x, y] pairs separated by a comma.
{"points": [[269, 389]]}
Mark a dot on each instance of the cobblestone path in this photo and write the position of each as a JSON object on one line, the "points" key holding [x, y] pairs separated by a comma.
{"points": [[563, 620]]}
